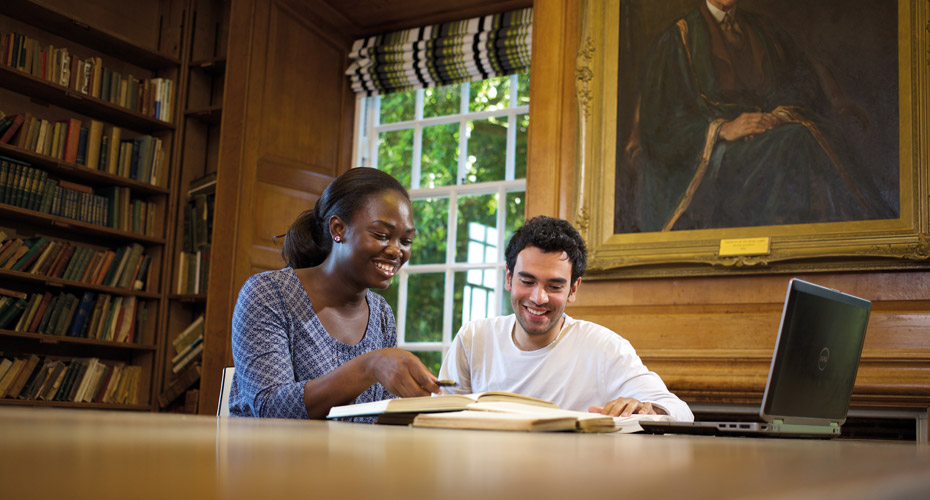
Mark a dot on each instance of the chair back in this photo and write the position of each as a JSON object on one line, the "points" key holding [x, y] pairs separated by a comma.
{"points": [[222, 409]]}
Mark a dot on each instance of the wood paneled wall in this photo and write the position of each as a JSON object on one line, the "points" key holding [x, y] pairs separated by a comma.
{"points": [[287, 128], [710, 339]]}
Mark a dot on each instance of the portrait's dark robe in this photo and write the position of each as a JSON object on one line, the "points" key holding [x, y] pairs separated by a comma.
{"points": [[798, 172]]}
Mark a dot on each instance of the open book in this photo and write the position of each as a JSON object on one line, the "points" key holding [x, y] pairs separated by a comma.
{"points": [[508, 415], [426, 404]]}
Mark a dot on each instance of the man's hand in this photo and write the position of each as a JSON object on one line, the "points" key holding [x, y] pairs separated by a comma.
{"points": [[749, 125], [624, 407], [402, 373]]}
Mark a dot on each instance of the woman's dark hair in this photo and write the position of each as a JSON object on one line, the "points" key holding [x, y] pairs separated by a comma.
{"points": [[549, 235], [308, 242]]}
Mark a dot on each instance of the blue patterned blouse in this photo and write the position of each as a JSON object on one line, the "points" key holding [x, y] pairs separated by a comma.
{"points": [[278, 343]]}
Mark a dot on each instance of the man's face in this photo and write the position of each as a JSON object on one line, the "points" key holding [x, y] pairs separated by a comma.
{"points": [[540, 286]]}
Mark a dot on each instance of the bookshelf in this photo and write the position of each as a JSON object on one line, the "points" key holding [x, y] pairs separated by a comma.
{"points": [[204, 68], [90, 196]]}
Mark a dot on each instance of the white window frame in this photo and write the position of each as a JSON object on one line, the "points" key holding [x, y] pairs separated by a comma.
{"points": [[365, 153]]}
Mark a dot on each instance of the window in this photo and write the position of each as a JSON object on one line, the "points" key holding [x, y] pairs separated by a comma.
{"points": [[461, 151]]}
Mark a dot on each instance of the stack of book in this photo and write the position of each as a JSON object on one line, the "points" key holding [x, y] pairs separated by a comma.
{"points": [[80, 380], [149, 96], [125, 267], [194, 260]]}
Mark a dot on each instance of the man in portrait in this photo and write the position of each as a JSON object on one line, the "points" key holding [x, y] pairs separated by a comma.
{"points": [[733, 128]]}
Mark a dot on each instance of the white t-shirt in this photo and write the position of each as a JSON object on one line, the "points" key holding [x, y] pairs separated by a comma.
{"points": [[588, 365]]}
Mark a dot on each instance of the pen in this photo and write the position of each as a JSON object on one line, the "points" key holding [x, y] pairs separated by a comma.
{"points": [[446, 383]]}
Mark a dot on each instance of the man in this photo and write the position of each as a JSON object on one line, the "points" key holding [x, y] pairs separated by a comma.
{"points": [[542, 352], [735, 128]]}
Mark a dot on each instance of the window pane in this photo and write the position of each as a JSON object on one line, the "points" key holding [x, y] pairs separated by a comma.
{"points": [[442, 101], [474, 296], [395, 154], [516, 212], [487, 150], [430, 217], [432, 360], [523, 91], [439, 164], [424, 307], [506, 308], [398, 107], [476, 229], [489, 95], [519, 157]]}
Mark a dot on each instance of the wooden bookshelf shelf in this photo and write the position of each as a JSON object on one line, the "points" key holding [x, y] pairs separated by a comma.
{"points": [[43, 91], [80, 172], [34, 279], [39, 220], [68, 404], [43, 338], [211, 114], [55, 21]]}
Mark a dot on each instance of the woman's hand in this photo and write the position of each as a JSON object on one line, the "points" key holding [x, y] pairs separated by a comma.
{"points": [[401, 373]]}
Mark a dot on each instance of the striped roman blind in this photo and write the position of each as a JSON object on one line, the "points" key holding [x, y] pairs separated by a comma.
{"points": [[442, 54]]}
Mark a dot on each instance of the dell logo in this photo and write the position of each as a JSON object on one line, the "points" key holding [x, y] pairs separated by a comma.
{"points": [[823, 359]]}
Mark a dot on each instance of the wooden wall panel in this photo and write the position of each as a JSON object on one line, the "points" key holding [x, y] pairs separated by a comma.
{"points": [[287, 121]]}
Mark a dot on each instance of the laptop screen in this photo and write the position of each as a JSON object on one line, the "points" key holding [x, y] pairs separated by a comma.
{"points": [[816, 355]]}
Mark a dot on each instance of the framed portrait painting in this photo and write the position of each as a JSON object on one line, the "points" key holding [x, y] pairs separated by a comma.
{"points": [[735, 136]]}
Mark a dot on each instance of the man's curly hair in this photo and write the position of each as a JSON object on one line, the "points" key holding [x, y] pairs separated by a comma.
{"points": [[549, 235]]}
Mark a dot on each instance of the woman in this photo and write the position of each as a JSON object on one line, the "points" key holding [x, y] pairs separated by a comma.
{"points": [[312, 335]]}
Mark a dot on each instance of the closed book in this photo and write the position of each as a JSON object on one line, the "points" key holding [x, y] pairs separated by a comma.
{"points": [[194, 353], [100, 305], [25, 375], [108, 326], [4, 180], [38, 373], [53, 368], [142, 274], [81, 151], [44, 255], [129, 268], [35, 249], [18, 254], [96, 260], [64, 385], [109, 256], [85, 381], [90, 392], [32, 306], [72, 140], [188, 335], [38, 380], [46, 263], [16, 121], [54, 383], [23, 136], [67, 314], [109, 394], [10, 375], [62, 261], [84, 364], [94, 136], [16, 294], [47, 315], [104, 381], [5, 364], [40, 313], [60, 305], [113, 144], [122, 255], [127, 322], [76, 257], [181, 355], [48, 196], [81, 315], [12, 313], [6, 255]]}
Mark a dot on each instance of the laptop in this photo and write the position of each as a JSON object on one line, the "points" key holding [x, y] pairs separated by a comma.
{"points": [[812, 372]]}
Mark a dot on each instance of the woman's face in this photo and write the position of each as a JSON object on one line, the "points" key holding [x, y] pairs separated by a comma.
{"points": [[376, 242]]}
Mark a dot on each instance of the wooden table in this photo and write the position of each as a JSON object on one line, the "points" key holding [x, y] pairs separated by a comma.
{"points": [[75, 454]]}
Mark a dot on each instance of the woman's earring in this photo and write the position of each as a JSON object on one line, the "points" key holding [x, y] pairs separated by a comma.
{"points": [[337, 239]]}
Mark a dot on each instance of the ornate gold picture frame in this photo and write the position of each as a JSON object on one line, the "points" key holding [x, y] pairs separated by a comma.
{"points": [[615, 42]]}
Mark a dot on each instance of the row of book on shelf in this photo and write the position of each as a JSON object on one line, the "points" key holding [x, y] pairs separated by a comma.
{"points": [[95, 145], [112, 318], [109, 206], [80, 380], [149, 96], [124, 267], [194, 260]]}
